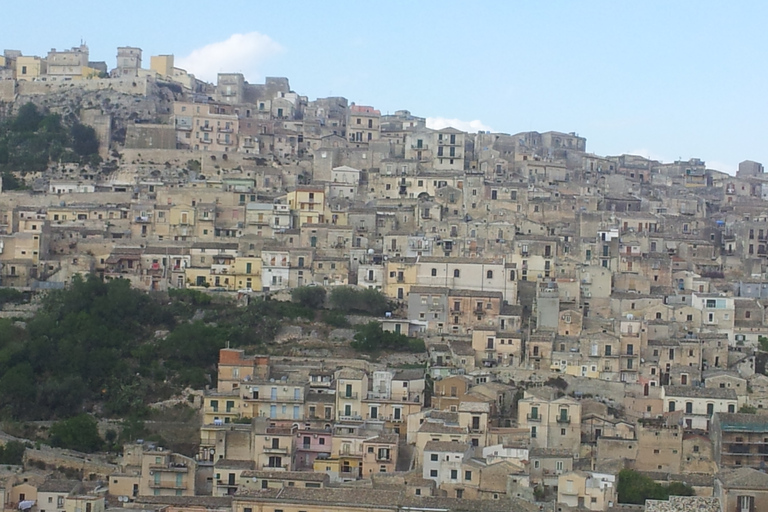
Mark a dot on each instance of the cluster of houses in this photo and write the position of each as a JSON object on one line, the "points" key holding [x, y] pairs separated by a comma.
{"points": [[583, 314]]}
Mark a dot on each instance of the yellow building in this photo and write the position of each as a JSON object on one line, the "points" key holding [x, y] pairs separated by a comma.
{"points": [[307, 205], [400, 275], [247, 273], [221, 407], [84, 503], [166, 474], [29, 68], [161, 64], [351, 388]]}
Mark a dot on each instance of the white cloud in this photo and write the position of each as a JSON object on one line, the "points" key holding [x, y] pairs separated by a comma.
{"points": [[241, 53], [438, 123]]}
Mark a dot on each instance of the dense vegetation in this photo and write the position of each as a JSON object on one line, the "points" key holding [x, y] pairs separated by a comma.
{"points": [[92, 346], [12, 453], [371, 338], [31, 140], [635, 488], [106, 348], [362, 301]]}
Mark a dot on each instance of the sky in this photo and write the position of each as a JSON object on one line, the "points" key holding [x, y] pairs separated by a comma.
{"points": [[663, 79]]}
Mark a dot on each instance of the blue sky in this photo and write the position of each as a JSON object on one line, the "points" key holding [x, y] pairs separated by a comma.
{"points": [[665, 79]]}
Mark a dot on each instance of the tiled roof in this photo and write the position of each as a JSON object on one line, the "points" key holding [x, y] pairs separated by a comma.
{"points": [[743, 478], [697, 392], [445, 446]]}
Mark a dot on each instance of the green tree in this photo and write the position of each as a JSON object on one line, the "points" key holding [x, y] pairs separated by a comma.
{"points": [[27, 119], [635, 488], [312, 297], [371, 337], [12, 453], [748, 409], [355, 300], [79, 433], [18, 389], [10, 181], [84, 140]]}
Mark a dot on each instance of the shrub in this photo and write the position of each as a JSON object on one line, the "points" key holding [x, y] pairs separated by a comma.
{"points": [[372, 338], [335, 318], [355, 300], [309, 296], [79, 433]]}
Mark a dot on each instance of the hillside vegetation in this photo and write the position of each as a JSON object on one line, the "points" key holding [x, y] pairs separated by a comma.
{"points": [[107, 348], [32, 140]]}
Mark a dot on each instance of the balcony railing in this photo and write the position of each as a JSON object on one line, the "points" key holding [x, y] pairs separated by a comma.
{"points": [[352, 417], [350, 396], [166, 485], [278, 450], [563, 419], [533, 418]]}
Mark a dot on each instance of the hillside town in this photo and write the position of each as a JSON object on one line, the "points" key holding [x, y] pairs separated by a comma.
{"points": [[583, 315]]}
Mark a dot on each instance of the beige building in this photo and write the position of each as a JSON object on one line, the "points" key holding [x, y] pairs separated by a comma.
{"points": [[587, 490], [742, 490], [166, 474], [30, 68], [552, 421]]}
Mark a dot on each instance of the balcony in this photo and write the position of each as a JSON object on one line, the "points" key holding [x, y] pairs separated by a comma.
{"points": [[175, 468], [225, 129], [269, 449], [350, 453], [352, 417], [206, 141], [206, 128], [225, 142], [563, 419], [533, 418], [166, 485], [349, 396]]}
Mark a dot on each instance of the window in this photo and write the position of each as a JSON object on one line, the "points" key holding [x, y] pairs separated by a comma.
{"points": [[456, 272], [671, 407], [434, 272], [467, 475], [745, 504], [489, 274], [536, 464], [433, 473], [433, 457], [454, 474]]}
